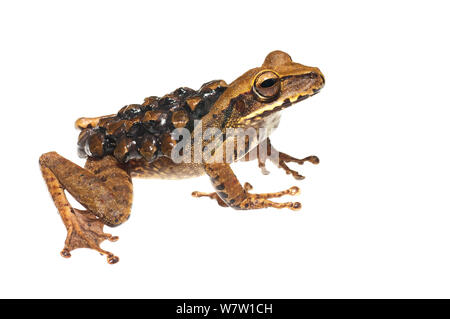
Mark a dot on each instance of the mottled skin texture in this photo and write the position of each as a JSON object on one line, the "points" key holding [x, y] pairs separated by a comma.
{"points": [[136, 142]]}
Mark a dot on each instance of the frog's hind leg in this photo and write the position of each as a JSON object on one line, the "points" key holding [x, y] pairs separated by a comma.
{"points": [[280, 159], [102, 187]]}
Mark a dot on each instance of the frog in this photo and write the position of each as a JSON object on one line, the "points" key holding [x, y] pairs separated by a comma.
{"points": [[138, 142]]}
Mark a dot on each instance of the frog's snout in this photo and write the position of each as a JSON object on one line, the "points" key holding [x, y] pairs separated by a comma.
{"points": [[320, 76], [319, 80]]}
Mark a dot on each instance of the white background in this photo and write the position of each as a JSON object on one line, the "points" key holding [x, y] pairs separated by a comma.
{"points": [[375, 217]]}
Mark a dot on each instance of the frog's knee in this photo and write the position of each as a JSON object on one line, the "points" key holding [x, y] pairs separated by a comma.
{"points": [[46, 157], [117, 219]]}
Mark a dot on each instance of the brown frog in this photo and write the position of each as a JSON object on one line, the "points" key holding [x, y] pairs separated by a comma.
{"points": [[139, 141]]}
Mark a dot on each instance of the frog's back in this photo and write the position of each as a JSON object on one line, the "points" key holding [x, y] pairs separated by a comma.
{"points": [[143, 131]]}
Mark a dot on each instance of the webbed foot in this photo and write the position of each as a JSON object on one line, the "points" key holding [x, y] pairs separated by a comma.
{"points": [[85, 230]]}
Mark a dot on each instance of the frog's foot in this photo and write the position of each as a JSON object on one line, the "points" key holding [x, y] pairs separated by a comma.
{"points": [[280, 159], [210, 195], [255, 201], [285, 158], [262, 165], [85, 230]]}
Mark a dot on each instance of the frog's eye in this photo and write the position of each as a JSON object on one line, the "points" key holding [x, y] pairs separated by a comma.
{"points": [[267, 86]]}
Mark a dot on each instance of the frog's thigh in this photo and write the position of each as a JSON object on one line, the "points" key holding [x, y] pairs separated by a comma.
{"points": [[102, 186], [231, 192]]}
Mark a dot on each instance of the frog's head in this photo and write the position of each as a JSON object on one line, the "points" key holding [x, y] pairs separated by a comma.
{"points": [[263, 91]]}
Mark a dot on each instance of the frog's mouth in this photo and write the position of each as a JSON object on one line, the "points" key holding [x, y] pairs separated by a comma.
{"points": [[288, 102]]}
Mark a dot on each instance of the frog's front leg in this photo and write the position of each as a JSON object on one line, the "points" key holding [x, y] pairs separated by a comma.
{"points": [[229, 191], [280, 159], [102, 187]]}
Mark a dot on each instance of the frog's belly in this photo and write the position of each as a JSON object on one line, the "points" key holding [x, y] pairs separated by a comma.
{"points": [[164, 168]]}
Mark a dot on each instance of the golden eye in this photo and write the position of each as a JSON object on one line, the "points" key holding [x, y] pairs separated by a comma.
{"points": [[267, 86]]}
